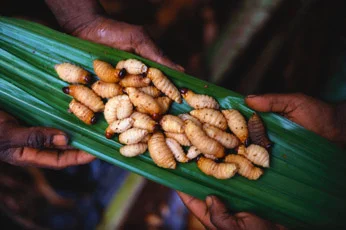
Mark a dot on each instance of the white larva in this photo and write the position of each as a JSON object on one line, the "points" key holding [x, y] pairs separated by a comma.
{"points": [[177, 150], [132, 136], [133, 149], [193, 152]]}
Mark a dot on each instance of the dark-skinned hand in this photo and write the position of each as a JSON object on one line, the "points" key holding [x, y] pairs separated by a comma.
{"points": [[37, 146], [314, 115], [213, 214], [125, 37]]}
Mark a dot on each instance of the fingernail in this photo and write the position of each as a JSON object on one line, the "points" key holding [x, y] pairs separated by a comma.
{"points": [[60, 140], [209, 201], [251, 96]]}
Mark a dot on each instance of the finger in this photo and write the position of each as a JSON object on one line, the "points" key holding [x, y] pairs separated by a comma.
{"points": [[219, 214], [247, 220], [198, 208], [55, 159], [148, 49], [281, 103], [36, 137]]}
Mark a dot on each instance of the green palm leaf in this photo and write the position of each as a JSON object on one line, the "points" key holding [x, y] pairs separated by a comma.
{"points": [[304, 188]]}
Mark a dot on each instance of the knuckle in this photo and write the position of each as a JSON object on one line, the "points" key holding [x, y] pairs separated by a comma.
{"points": [[272, 103], [190, 201], [61, 162], [36, 139], [140, 30], [299, 97], [16, 156], [7, 155], [215, 219], [140, 35], [158, 59], [5, 143], [160, 55], [222, 220]]}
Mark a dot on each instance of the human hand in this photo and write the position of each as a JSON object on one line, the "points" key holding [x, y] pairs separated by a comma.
{"points": [[304, 110], [37, 146], [87, 19], [213, 214], [123, 36]]}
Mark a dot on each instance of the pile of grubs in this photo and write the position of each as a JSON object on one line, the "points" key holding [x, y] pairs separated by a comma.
{"points": [[138, 99]]}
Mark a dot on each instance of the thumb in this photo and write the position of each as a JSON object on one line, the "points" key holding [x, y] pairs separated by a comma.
{"points": [[36, 137], [149, 50], [219, 214], [280, 103]]}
